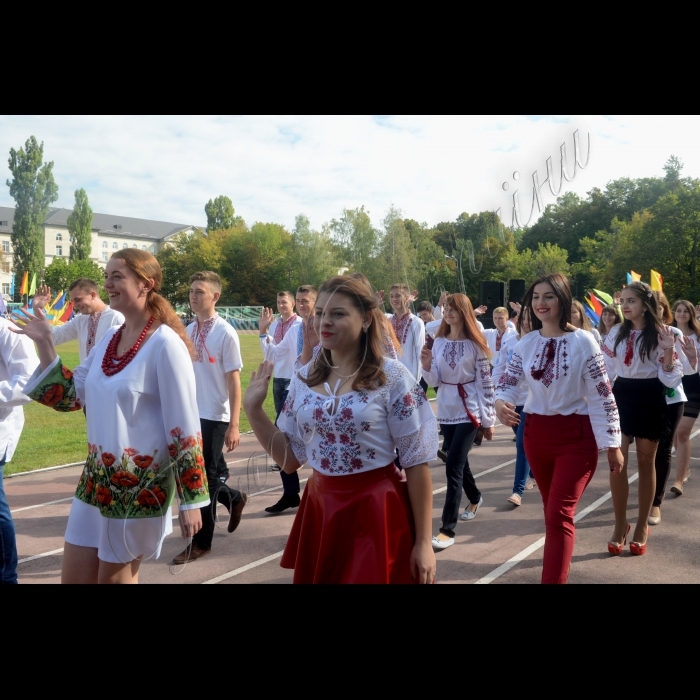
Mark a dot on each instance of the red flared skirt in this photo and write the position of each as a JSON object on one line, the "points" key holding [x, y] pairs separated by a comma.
{"points": [[352, 529]]}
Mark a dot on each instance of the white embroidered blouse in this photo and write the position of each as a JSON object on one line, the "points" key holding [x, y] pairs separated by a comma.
{"points": [[359, 431], [500, 367], [462, 373], [628, 362], [565, 376]]}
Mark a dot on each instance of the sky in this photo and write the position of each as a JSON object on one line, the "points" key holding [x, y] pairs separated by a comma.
{"points": [[273, 168]]}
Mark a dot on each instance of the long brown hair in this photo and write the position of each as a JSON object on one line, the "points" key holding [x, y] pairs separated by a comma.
{"points": [[648, 338], [463, 306], [608, 309], [370, 353], [562, 290], [664, 307], [585, 322], [693, 323], [146, 267]]}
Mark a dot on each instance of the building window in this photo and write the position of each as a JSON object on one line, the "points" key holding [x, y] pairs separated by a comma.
{"points": [[105, 244], [59, 251], [6, 246], [125, 245], [72, 239], [5, 287], [59, 237], [133, 245], [6, 267], [104, 257], [115, 245], [143, 247], [153, 249]]}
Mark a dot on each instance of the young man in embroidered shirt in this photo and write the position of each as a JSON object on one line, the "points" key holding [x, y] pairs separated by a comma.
{"points": [[87, 327], [217, 371], [284, 355], [409, 329], [496, 336]]}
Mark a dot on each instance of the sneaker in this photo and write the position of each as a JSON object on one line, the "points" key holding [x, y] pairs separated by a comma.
{"points": [[515, 499], [285, 502], [442, 544], [235, 517], [192, 553], [442, 455], [471, 514]]}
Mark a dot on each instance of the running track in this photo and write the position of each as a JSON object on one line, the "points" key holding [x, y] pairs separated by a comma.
{"points": [[501, 545]]}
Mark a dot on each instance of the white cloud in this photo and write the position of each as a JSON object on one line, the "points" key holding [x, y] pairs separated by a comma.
{"points": [[432, 167]]}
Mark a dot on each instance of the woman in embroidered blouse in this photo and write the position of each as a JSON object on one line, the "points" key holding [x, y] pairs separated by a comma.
{"points": [[459, 365], [641, 361], [579, 319], [609, 317], [571, 413], [687, 324], [143, 427], [359, 521]]}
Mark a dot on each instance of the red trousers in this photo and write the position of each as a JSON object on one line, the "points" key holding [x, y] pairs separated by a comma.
{"points": [[563, 456]]}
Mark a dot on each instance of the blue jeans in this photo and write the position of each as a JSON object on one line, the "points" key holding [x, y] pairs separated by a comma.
{"points": [[522, 468], [280, 387], [8, 544]]}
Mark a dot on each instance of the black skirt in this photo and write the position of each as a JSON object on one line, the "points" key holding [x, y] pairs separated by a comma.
{"points": [[691, 386], [642, 407]]}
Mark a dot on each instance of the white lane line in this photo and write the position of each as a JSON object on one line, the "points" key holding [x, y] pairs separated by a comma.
{"points": [[476, 476], [41, 556], [506, 566], [247, 567], [39, 505]]}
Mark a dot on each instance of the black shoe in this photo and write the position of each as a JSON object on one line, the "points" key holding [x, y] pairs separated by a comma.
{"points": [[442, 455], [285, 502], [479, 437]]}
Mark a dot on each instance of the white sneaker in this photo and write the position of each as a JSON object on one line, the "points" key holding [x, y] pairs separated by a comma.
{"points": [[442, 544], [471, 514]]}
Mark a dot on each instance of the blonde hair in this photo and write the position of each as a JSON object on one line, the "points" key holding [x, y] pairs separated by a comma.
{"points": [[146, 268], [501, 310], [585, 323]]}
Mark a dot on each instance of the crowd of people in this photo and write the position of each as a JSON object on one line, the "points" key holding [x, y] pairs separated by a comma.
{"points": [[162, 402]]}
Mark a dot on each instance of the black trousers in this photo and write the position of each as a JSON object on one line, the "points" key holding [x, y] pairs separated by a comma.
{"points": [[662, 463], [459, 476], [213, 434]]}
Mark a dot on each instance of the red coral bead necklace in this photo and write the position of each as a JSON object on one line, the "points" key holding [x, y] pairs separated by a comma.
{"points": [[111, 364]]}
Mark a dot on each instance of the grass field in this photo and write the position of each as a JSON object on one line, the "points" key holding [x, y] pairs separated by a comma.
{"points": [[50, 438]]}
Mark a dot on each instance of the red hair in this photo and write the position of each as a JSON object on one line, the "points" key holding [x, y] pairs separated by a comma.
{"points": [[461, 304]]}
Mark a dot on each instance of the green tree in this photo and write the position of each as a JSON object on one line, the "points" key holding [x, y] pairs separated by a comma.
{"points": [[60, 274], [313, 257], [33, 188], [221, 215], [357, 238], [80, 227]]}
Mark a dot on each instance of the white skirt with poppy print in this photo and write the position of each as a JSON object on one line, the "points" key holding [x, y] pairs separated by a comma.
{"points": [[117, 541]]}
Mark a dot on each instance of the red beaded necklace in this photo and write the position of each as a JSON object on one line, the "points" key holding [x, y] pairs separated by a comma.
{"points": [[111, 364]]}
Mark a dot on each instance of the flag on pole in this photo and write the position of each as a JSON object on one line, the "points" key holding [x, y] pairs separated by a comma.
{"points": [[67, 313], [596, 304], [60, 303], [23, 289], [603, 296], [657, 281], [51, 304], [635, 276], [32, 286], [590, 312]]}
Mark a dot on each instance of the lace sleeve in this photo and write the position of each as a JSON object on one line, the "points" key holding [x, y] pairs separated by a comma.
{"points": [[421, 446]]}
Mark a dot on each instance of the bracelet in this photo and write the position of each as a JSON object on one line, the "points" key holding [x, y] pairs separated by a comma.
{"points": [[264, 336], [668, 368]]}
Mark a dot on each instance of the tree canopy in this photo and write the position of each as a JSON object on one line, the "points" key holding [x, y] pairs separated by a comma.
{"points": [[80, 227]]}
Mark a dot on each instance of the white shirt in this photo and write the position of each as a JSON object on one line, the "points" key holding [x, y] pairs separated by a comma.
{"points": [[460, 363], [507, 347], [273, 326], [218, 340], [363, 430], [432, 326], [283, 355], [410, 331], [77, 329], [628, 363], [491, 335], [18, 361], [574, 382]]}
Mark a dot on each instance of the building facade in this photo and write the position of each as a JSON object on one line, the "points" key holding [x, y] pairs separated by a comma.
{"points": [[109, 234]]}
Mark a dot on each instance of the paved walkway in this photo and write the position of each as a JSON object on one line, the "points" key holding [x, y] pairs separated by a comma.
{"points": [[501, 545]]}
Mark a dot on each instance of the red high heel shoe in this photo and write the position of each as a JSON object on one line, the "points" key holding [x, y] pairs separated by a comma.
{"points": [[639, 549], [616, 549]]}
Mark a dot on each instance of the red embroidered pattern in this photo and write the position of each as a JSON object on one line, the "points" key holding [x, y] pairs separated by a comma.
{"points": [[199, 338], [92, 332], [282, 327], [401, 326], [550, 361], [453, 352]]}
